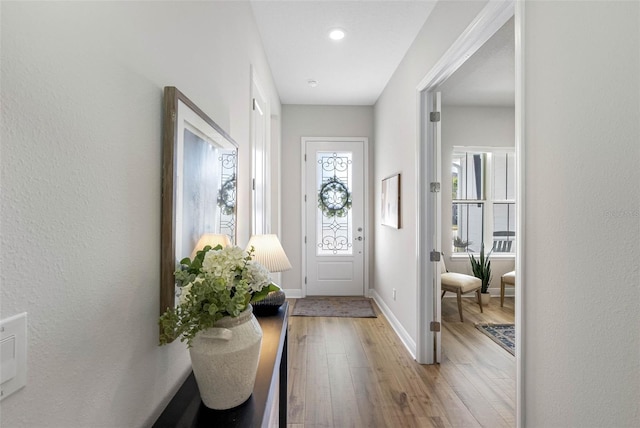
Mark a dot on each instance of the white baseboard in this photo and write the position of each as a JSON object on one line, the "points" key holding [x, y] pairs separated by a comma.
{"points": [[296, 293], [495, 292], [293, 293], [508, 292], [404, 336]]}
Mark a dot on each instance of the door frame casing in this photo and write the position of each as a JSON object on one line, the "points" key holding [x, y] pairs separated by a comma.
{"points": [[428, 170], [263, 182], [303, 224], [486, 23], [481, 29]]}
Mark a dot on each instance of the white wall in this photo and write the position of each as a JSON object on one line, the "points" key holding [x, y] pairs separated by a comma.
{"points": [[472, 127], [311, 121], [395, 264], [81, 177], [582, 282], [581, 288]]}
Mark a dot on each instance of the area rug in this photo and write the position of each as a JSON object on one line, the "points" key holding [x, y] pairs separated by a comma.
{"points": [[348, 307], [503, 334]]}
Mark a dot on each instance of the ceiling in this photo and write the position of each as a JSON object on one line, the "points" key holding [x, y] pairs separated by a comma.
{"points": [[355, 70], [487, 78]]}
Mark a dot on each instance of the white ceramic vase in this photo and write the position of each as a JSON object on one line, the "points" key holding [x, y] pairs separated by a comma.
{"points": [[225, 360]]}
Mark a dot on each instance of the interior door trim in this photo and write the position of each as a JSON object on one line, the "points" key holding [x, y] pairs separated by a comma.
{"points": [[491, 18]]}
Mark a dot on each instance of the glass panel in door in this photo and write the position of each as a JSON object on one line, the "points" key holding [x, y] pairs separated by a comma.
{"points": [[334, 217]]}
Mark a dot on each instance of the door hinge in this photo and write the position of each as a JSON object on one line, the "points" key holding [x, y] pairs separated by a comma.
{"points": [[435, 256], [305, 157], [435, 326], [434, 186], [253, 104], [434, 116], [305, 279], [305, 198], [253, 184], [305, 239]]}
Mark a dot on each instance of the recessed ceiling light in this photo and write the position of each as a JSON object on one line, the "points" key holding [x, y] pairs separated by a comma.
{"points": [[336, 34], [312, 82]]}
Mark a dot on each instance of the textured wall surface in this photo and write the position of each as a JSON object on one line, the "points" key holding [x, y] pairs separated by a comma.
{"points": [[81, 88], [81, 176], [581, 287], [582, 151], [311, 121], [395, 264]]}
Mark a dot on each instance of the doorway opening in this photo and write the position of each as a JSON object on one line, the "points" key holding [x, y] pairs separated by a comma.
{"points": [[435, 167]]}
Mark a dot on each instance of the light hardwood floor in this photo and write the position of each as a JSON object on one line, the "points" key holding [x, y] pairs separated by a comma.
{"points": [[355, 372]]}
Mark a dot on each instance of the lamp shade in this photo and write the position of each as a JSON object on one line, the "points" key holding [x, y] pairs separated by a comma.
{"points": [[211, 239], [269, 253]]}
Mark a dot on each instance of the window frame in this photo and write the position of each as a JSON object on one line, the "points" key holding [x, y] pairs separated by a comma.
{"points": [[489, 200]]}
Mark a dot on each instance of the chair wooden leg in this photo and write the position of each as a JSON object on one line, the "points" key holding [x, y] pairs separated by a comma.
{"points": [[479, 300], [460, 304], [444, 291], [501, 292]]}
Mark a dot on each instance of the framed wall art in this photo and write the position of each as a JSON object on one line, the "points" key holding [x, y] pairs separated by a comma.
{"points": [[391, 203], [199, 169]]}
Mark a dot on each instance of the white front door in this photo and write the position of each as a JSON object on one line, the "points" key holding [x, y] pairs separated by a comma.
{"points": [[334, 226]]}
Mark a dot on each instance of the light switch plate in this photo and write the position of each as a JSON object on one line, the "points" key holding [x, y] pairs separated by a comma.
{"points": [[8, 359], [13, 354]]}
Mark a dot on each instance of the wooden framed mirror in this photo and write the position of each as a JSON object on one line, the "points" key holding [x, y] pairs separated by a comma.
{"points": [[199, 169]]}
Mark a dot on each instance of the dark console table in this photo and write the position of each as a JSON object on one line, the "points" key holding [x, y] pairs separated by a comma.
{"points": [[186, 409]]}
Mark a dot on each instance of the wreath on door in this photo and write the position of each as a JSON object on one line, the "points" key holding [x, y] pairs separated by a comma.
{"points": [[227, 196], [334, 198]]}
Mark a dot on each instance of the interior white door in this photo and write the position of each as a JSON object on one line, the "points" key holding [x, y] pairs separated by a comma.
{"points": [[334, 216], [436, 202]]}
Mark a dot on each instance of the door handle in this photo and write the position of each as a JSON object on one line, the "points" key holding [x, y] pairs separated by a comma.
{"points": [[359, 238]]}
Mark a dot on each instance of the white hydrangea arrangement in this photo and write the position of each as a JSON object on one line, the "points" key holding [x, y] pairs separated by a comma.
{"points": [[218, 282]]}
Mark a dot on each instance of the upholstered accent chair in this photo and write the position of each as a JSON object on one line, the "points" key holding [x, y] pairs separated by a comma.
{"points": [[508, 278], [460, 284]]}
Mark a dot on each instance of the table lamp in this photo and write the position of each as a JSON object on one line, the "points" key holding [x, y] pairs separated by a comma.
{"points": [[210, 239], [269, 253]]}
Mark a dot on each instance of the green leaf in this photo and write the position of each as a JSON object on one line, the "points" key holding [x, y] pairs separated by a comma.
{"points": [[213, 309], [260, 295], [208, 300]]}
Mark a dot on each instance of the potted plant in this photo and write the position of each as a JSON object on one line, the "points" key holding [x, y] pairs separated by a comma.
{"points": [[460, 244], [481, 268], [214, 317]]}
